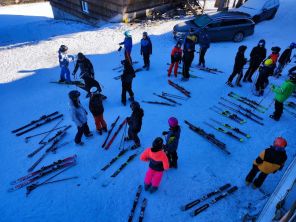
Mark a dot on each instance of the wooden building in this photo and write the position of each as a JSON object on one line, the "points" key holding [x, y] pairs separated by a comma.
{"points": [[113, 10]]}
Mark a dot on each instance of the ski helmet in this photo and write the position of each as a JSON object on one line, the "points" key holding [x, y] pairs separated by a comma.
{"points": [[293, 45], [127, 34], [268, 62], [280, 142], [63, 48], [261, 42], [74, 94], [93, 89], [134, 105], [173, 122], [157, 143]]}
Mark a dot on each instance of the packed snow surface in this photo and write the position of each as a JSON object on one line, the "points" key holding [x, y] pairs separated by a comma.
{"points": [[29, 42]]}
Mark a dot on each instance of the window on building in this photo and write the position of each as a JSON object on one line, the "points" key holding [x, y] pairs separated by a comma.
{"points": [[84, 6]]}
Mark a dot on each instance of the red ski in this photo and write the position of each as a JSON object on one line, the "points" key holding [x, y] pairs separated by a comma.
{"points": [[179, 88], [115, 134]]}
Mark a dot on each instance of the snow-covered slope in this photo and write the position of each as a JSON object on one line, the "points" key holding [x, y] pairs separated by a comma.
{"points": [[26, 94]]}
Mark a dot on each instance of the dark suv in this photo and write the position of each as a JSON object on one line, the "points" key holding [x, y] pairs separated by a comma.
{"points": [[223, 26]]}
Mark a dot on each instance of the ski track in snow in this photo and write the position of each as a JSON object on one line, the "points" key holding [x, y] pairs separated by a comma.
{"points": [[26, 94]]}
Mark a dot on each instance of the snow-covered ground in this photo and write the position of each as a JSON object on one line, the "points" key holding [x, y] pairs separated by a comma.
{"points": [[29, 43]]}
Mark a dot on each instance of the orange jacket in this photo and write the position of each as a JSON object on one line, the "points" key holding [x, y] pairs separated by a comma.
{"points": [[158, 160]]}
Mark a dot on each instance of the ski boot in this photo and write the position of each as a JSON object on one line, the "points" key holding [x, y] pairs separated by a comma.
{"points": [[153, 189], [147, 187]]}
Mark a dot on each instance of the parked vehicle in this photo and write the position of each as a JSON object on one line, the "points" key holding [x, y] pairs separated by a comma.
{"points": [[259, 10], [222, 26]]}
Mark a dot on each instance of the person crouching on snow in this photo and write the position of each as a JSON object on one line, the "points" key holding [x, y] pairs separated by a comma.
{"points": [[79, 116], [172, 140], [158, 162], [97, 109]]}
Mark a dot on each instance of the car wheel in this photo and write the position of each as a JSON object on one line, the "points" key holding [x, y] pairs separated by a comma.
{"points": [[238, 37]]}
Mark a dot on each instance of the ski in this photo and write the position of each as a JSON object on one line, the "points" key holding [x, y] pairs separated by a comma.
{"points": [[135, 203], [120, 154], [179, 88], [33, 186], [253, 104], [205, 197], [54, 138], [115, 134], [173, 96], [210, 137], [35, 121], [243, 114], [75, 83], [230, 134], [243, 108], [168, 99], [143, 208], [237, 130], [220, 197], [158, 103], [46, 120], [42, 174], [228, 114], [52, 148], [110, 131], [42, 169], [130, 158]]}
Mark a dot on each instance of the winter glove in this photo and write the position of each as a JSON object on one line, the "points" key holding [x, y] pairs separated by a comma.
{"points": [[164, 133]]}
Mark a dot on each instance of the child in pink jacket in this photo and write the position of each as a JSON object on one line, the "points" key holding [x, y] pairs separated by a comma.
{"points": [[158, 162]]}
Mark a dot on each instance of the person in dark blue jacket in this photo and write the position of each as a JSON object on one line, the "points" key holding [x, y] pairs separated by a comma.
{"points": [[172, 141], [146, 50], [204, 44], [128, 45], [188, 55]]}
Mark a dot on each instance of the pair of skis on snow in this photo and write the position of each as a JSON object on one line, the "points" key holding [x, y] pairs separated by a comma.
{"points": [[135, 204], [32, 177], [222, 193], [34, 124]]}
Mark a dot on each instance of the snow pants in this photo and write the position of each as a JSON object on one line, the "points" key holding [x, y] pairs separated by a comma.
{"points": [[65, 74], [176, 65], [146, 58], [100, 122], [133, 135], [259, 180], [202, 53], [153, 177], [84, 129], [278, 110]]}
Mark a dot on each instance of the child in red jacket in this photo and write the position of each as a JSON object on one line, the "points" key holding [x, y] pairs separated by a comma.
{"points": [[176, 57], [158, 162]]}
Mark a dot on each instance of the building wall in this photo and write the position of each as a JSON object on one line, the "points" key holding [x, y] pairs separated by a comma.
{"points": [[108, 9]]}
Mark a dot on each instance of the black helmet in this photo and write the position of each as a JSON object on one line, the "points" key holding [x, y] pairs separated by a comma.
{"points": [[134, 105], [74, 94], [157, 144], [80, 56], [63, 48]]}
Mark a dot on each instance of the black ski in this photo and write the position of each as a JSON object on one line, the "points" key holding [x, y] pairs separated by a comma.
{"points": [[143, 208], [237, 130], [110, 131], [47, 120], [220, 197], [158, 103], [210, 137], [168, 99], [205, 197], [243, 114], [135, 203], [230, 134], [35, 121]]}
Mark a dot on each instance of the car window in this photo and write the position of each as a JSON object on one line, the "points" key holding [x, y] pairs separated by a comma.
{"points": [[202, 21], [214, 25]]}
